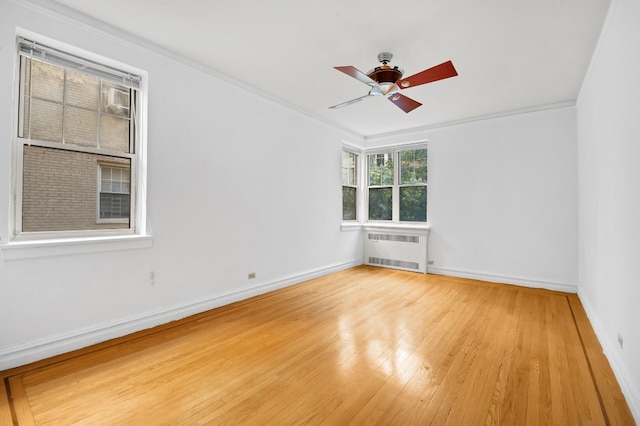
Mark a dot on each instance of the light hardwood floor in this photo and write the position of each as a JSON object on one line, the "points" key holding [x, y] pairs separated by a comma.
{"points": [[363, 346]]}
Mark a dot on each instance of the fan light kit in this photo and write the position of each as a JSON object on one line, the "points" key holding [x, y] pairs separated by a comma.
{"points": [[386, 80]]}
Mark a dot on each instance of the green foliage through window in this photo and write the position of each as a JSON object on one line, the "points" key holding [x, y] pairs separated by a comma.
{"points": [[380, 203], [348, 203], [349, 185], [413, 204], [413, 167], [410, 168], [381, 169]]}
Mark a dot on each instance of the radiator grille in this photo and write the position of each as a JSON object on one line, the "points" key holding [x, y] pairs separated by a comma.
{"points": [[397, 249], [392, 262], [395, 237]]}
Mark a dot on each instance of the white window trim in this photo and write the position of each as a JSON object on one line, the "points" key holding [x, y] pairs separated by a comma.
{"points": [[356, 186], [395, 215], [22, 245], [351, 225], [68, 246]]}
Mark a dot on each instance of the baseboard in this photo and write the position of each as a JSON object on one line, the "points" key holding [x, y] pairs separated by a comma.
{"points": [[505, 279], [630, 392], [17, 355]]}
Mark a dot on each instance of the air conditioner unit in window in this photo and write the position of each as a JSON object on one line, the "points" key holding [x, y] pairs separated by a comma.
{"points": [[117, 100]]}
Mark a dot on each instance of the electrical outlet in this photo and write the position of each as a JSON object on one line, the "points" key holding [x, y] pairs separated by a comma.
{"points": [[620, 340], [252, 275]]}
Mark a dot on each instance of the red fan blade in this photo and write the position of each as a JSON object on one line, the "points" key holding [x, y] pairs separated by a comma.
{"points": [[352, 101], [404, 103], [439, 72], [358, 75]]}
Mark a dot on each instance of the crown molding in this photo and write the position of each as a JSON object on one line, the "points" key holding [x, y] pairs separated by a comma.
{"points": [[412, 131], [88, 23]]}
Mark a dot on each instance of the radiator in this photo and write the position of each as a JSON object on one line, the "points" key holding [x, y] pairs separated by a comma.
{"points": [[396, 248]]}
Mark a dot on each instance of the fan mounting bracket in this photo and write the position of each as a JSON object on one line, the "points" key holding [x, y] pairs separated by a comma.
{"points": [[385, 57]]}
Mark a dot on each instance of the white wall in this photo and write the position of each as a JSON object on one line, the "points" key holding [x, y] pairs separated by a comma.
{"points": [[502, 200], [609, 192], [236, 184]]}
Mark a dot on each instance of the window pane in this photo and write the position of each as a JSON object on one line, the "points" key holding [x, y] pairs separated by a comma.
{"points": [[47, 81], [60, 190], [114, 193], [46, 120], [115, 179], [81, 127], [413, 166], [114, 206], [413, 204], [114, 133], [381, 169], [85, 124], [349, 161], [82, 91], [380, 203], [348, 203]]}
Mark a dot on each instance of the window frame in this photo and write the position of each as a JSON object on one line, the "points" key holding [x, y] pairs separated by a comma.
{"points": [[394, 178], [396, 151], [99, 191], [411, 185], [356, 184], [136, 155]]}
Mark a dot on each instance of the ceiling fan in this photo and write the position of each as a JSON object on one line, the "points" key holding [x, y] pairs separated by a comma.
{"points": [[386, 80]]}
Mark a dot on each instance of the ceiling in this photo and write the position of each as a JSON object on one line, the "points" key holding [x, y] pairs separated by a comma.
{"points": [[510, 54]]}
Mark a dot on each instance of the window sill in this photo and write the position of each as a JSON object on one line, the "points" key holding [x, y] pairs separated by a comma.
{"points": [[71, 246], [395, 225], [350, 226]]}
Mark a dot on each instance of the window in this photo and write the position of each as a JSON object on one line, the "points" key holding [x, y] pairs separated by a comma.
{"points": [[381, 180], [114, 194], [349, 185], [398, 185], [75, 116], [413, 185]]}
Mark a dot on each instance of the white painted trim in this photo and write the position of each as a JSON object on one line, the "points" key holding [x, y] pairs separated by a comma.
{"points": [[351, 147], [631, 393], [25, 353], [410, 133], [505, 279], [69, 246], [350, 226], [397, 226], [398, 147]]}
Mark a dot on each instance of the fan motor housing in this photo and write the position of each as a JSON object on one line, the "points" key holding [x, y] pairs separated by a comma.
{"points": [[385, 74]]}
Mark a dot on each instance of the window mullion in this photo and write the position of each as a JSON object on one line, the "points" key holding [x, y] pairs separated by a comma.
{"points": [[100, 103], [396, 188], [64, 107], [362, 194], [133, 100]]}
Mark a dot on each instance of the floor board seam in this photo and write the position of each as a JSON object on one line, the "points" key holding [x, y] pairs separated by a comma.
{"points": [[586, 355], [12, 408]]}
